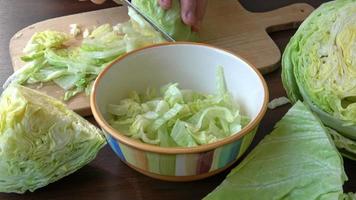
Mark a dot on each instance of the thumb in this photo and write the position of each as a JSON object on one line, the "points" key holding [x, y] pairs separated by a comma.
{"points": [[188, 12]]}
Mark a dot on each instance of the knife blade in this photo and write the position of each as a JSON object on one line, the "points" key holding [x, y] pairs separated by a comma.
{"points": [[163, 33]]}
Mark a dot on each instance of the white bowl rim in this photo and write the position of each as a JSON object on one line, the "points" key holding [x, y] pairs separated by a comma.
{"points": [[176, 150]]}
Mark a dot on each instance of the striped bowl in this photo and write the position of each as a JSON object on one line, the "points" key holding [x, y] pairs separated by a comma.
{"points": [[193, 66]]}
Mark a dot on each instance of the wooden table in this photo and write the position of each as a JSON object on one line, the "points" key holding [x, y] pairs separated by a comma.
{"points": [[107, 177]]}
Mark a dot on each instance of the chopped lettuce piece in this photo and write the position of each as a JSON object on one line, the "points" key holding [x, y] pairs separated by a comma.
{"points": [[41, 140], [179, 117], [277, 102], [44, 40], [74, 30], [297, 161]]}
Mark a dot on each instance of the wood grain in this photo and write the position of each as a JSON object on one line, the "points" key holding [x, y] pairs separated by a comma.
{"points": [[230, 26], [107, 178], [227, 25]]}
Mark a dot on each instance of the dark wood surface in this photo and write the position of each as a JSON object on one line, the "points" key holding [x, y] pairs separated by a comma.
{"points": [[107, 177]]}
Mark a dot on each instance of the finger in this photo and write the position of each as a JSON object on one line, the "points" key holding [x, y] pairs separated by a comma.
{"points": [[98, 1], [165, 4], [188, 8], [200, 12]]}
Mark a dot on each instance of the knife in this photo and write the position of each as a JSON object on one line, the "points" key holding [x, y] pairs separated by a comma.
{"points": [[163, 33]]}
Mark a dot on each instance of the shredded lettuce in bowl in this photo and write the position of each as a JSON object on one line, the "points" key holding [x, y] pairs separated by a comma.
{"points": [[178, 118]]}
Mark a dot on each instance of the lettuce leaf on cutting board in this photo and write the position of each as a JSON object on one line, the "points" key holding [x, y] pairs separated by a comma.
{"points": [[296, 161]]}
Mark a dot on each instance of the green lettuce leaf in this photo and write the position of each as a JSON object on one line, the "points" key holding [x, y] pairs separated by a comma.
{"points": [[297, 160], [168, 20], [41, 140], [178, 117]]}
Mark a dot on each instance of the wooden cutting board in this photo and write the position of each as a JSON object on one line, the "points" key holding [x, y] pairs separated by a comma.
{"points": [[227, 25]]}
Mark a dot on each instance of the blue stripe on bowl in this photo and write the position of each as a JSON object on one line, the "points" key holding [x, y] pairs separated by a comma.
{"points": [[115, 146], [235, 150], [229, 153]]}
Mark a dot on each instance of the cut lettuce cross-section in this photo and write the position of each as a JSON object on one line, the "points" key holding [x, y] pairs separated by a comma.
{"points": [[319, 66]]}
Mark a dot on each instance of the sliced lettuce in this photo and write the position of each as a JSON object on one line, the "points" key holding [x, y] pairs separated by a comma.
{"points": [[297, 161], [41, 140], [280, 101], [50, 57], [178, 117], [44, 40]]}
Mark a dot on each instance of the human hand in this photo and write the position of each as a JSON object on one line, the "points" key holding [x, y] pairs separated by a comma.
{"points": [[192, 11]]}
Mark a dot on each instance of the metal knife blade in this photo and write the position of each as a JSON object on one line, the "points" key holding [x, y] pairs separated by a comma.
{"points": [[164, 34]]}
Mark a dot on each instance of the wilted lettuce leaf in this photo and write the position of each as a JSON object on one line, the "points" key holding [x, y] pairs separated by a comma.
{"points": [[297, 161], [319, 66], [41, 140], [168, 20]]}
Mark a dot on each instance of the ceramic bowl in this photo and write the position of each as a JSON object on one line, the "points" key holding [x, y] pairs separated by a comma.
{"points": [[193, 66]]}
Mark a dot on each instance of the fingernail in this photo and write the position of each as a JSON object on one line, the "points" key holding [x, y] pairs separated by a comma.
{"points": [[189, 18]]}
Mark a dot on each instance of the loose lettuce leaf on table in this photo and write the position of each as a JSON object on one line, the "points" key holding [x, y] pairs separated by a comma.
{"points": [[297, 161], [41, 140]]}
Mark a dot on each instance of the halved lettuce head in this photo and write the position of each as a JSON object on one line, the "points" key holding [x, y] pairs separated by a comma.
{"points": [[41, 140], [319, 65], [168, 20], [297, 161]]}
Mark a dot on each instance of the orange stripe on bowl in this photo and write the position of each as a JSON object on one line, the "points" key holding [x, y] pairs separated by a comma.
{"points": [[141, 159]]}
